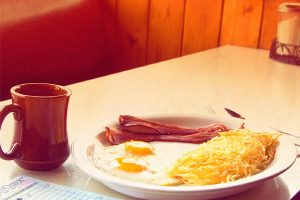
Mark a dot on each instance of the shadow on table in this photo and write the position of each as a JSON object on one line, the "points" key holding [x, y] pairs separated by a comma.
{"points": [[274, 189]]}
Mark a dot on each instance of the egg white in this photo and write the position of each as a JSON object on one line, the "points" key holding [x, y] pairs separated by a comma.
{"points": [[157, 164]]}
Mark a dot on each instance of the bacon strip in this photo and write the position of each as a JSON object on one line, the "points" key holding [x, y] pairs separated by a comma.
{"points": [[117, 136], [134, 128], [138, 125]]}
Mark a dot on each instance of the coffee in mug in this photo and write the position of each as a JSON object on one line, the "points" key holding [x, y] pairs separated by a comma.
{"points": [[40, 140]]}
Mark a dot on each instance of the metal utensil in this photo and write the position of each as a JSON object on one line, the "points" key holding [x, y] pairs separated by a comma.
{"points": [[284, 132], [237, 115], [234, 114]]}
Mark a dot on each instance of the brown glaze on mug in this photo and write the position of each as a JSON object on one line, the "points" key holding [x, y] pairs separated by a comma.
{"points": [[40, 139]]}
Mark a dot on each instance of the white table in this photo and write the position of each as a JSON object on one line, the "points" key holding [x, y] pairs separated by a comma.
{"points": [[243, 79]]}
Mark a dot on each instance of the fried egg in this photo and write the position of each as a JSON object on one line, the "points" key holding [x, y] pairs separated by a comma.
{"points": [[140, 161]]}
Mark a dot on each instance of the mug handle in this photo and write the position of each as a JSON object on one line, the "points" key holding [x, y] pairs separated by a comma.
{"points": [[14, 152]]}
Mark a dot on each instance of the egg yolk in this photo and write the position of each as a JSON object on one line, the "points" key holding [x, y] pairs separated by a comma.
{"points": [[129, 166], [138, 148]]}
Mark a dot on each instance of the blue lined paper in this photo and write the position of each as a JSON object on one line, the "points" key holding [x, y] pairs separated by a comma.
{"points": [[27, 188]]}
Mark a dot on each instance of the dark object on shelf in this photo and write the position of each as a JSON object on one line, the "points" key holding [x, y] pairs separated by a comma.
{"points": [[285, 53]]}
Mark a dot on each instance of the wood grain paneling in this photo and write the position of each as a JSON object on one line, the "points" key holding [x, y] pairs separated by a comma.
{"points": [[201, 25], [131, 34], [165, 29], [241, 22], [269, 22], [68, 41]]}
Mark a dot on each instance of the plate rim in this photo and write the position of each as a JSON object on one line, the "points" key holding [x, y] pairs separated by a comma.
{"points": [[105, 178]]}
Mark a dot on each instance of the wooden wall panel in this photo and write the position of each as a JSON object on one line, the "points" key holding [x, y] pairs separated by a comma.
{"points": [[131, 33], [241, 22], [269, 22], [96, 37], [165, 29], [201, 25]]}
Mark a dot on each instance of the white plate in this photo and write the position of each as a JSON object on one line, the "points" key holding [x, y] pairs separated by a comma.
{"points": [[284, 158]]}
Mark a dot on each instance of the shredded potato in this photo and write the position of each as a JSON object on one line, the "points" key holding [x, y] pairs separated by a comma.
{"points": [[233, 155]]}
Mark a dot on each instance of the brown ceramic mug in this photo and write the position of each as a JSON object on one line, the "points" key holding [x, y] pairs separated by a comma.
{"points": [[40, 139]]}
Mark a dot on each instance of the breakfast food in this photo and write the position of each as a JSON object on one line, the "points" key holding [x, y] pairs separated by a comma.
{"points": [[140, 161], [117, 136], [139, 125], [233, 155], [165, 154], [133, 128]]}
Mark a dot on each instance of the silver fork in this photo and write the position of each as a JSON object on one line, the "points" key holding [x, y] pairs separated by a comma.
{"points": [[237, 115]]}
